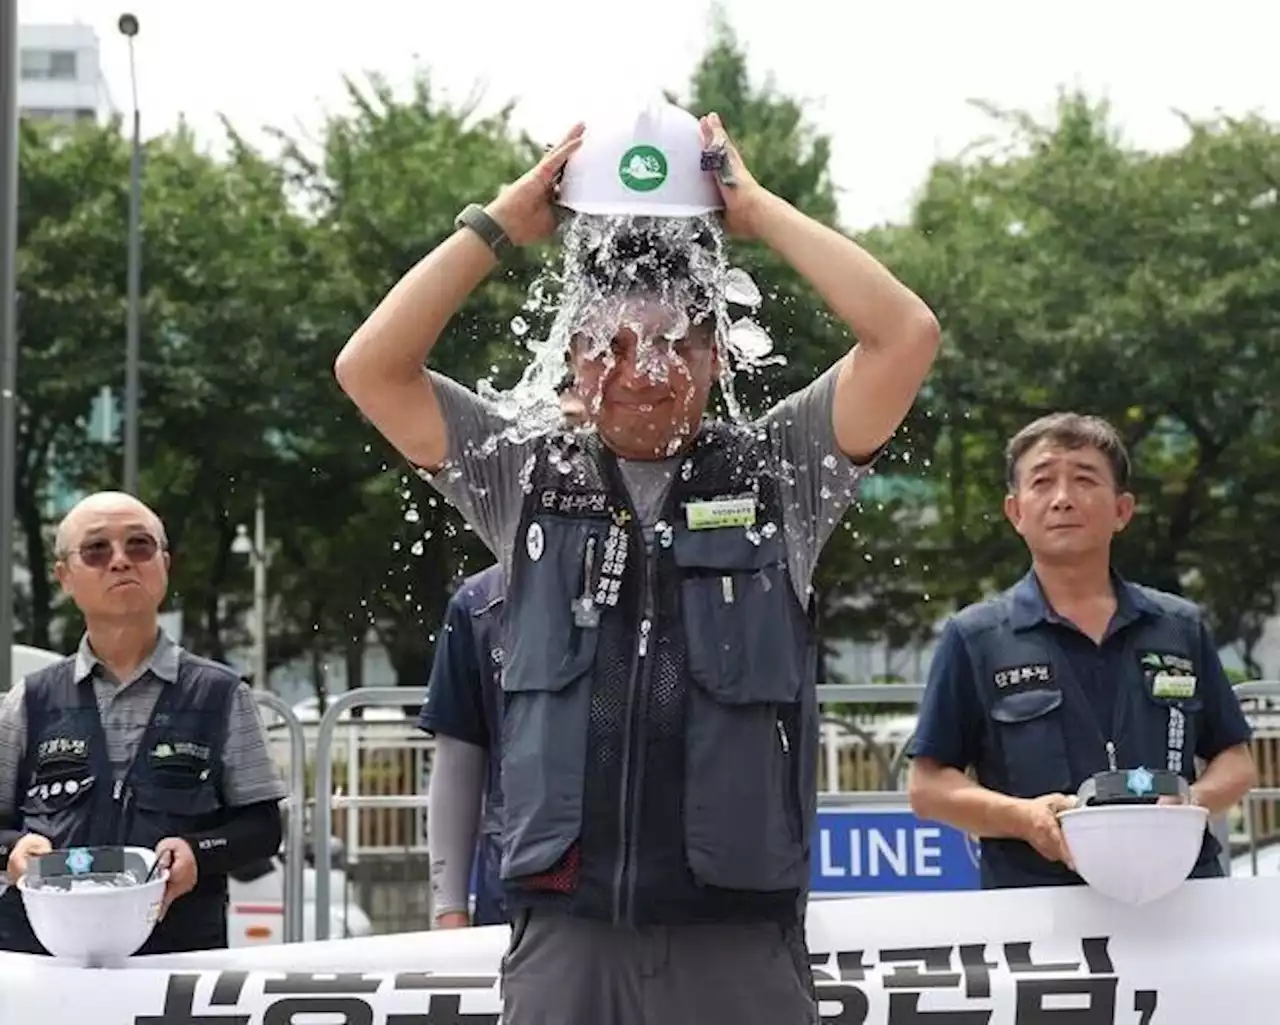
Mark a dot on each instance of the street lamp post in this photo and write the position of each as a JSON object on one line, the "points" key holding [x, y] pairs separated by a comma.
{"points": [[8, 322], [256, 550], [128, 26]]}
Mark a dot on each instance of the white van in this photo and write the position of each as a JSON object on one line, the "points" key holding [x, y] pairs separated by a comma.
{"points": [[26, 660], [255, 915]]}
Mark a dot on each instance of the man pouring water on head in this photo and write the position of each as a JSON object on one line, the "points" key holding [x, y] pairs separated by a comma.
{"points": [[660, 724]]}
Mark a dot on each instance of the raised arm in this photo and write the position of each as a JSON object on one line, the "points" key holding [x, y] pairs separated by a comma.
{"points": [[897, 335], [381, 366]]}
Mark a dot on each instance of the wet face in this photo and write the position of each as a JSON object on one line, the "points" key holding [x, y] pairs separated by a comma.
{"points": [[1065, 502], [111, 560], [647, 389]]}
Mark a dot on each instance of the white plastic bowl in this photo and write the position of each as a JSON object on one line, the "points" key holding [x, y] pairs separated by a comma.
{"points": [[94, 926], [1135, 854]]}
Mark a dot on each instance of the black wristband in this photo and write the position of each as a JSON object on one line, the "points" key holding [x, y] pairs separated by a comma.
{"points": [[490, 231]]}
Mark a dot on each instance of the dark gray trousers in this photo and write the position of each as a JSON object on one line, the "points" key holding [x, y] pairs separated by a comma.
{"points": [[560, 970]]}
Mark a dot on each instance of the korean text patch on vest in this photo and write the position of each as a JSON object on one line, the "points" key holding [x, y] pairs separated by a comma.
{"points": [[1171, 676], [61, 748], [181, 749], [1015, 676], [720, 512], [574, 503]]}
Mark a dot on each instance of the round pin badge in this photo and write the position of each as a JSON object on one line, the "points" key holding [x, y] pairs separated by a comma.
{"points": [[534, 542]]}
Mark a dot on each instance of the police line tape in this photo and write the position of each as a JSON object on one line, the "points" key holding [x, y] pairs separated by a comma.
{"points": [[1031, 957]]}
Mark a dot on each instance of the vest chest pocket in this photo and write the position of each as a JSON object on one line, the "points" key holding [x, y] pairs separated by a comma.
{"points": [[1029, 730], [743, 640], [546, 649], [546, 691], [58, 786], [744, 825], [170, 806]]}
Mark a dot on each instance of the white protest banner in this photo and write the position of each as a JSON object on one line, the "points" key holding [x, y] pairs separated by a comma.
{"points": [[1030, 957]]}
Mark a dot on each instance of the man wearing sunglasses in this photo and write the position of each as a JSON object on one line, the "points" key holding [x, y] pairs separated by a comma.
{"points": [[133, 741]]}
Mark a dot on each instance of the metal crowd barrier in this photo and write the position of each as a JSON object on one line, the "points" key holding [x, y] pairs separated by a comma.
{"points": [[394, 697], [1245, 691], [295, 850], [861, 694], [322, 818]]}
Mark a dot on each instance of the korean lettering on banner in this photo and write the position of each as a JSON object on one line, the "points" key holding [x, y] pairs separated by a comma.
{"points": [[1077, 992], [295, 998]]}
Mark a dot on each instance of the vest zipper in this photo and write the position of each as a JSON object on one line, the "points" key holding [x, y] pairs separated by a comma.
{"points": [[633, 754]]}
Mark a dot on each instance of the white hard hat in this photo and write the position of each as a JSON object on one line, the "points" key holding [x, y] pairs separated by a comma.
{"points": [[99, 908], [1135, 853], [647, 164]]}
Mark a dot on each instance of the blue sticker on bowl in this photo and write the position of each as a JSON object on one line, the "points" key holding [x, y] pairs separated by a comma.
{"points": [[79, 861]]}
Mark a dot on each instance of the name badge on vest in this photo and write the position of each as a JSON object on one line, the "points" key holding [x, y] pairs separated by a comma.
{"points": [[1171, 676], [720, 512], [1166, 685]]}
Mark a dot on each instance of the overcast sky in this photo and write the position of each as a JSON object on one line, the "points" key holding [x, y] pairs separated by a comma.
{"points": [[889, 80]]}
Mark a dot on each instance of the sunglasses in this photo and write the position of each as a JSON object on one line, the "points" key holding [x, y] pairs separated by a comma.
{"points": [[137, 548]]}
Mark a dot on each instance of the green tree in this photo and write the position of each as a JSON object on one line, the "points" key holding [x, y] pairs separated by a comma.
{"points": [[378, 557], [1071, 271], [226, 271], [862, 584]]}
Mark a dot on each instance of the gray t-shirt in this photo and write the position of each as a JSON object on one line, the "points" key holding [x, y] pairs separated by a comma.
{"points": [[482, 480]]}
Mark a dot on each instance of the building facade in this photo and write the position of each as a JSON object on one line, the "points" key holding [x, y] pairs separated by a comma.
{"points": [[58, 72]]}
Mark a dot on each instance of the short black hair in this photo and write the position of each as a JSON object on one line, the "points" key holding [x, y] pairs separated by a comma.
{"points": [[652, 261], [1070, 431]]}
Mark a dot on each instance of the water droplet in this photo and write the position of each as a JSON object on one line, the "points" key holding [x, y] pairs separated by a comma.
{"points": [[753, 535], [740, 289], [519, 326], [830, 462], [417, 549], [411, 515], [769, 529], [749, 342]]}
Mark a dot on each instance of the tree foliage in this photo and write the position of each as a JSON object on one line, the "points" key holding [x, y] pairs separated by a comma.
{"points": [[1071, 271], [1068, 269]]}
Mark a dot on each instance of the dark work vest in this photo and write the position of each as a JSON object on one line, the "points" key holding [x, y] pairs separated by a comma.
{"points": [[65, 790], [482, 598], [1042, 736], [659, 751]]}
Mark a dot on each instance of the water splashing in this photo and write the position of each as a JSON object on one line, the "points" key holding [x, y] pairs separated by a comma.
{"points": [[614, 271]]}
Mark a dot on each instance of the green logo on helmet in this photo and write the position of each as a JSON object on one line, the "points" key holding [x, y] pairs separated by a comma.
{"points": [[642, 168]]}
